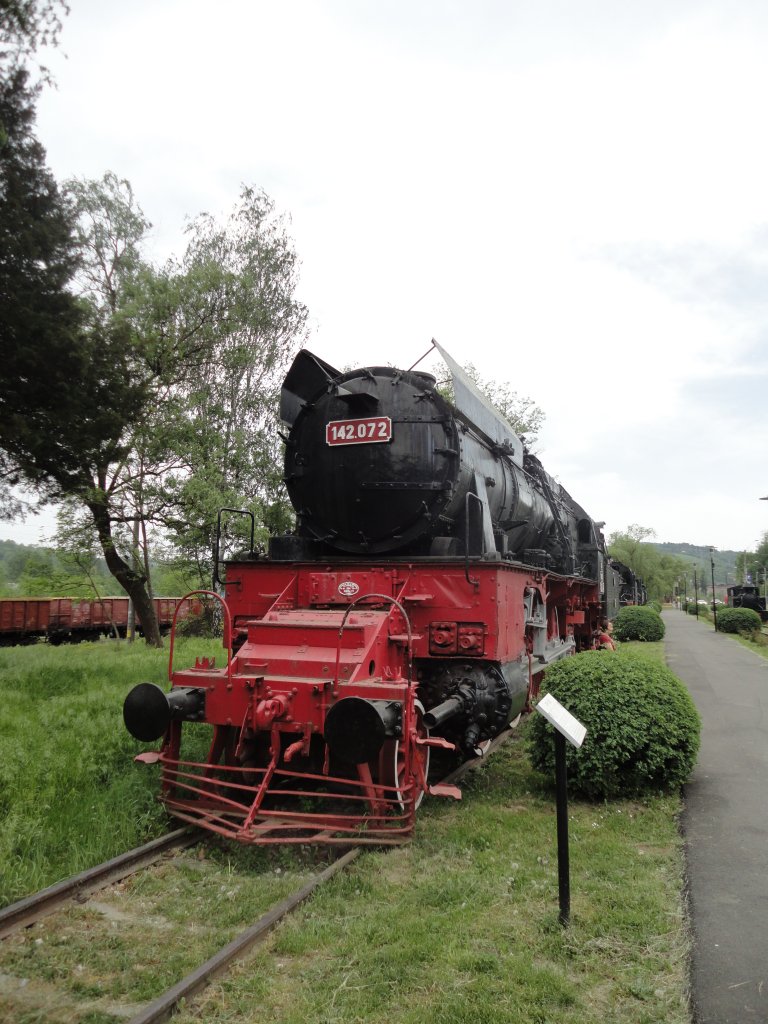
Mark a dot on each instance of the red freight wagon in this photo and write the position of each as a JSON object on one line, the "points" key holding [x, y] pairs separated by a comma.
{"points": [[23, 620], [72, 619]]}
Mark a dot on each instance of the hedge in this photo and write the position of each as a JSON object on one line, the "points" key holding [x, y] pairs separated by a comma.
{"points": [[738, 620], [636, 622], [642, 726]]}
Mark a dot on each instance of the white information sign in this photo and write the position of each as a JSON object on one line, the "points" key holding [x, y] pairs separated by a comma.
{"points": [[562, 719]]}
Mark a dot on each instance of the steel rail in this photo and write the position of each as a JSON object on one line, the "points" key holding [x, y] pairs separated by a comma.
{"points": [[164, 1006], [30, 909]]}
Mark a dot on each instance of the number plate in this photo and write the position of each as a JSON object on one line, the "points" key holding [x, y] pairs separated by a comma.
{"points": [[370, 431]]}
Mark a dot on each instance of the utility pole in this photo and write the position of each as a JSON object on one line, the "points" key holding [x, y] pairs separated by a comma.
{"points": [[131, 624], [712, 564]]}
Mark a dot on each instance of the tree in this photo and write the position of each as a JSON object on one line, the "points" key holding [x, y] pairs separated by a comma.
{"points": [[520, 411], [40, 319], [26, 25], [658, 572], [227, 434], [175, 373], [76, 386], [131, 311], [755, 564]]}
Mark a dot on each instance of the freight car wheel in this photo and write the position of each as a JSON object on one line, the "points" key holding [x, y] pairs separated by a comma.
{"points": [[393, 760]]}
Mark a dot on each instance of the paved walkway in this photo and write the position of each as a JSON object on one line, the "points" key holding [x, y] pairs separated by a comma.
{"points": [[725, 821]]}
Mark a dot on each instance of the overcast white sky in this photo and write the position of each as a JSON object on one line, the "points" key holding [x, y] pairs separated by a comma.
{"points": [[572, 196]]}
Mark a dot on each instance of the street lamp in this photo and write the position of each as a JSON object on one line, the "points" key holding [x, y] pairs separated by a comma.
{"points": [[712, 564]]}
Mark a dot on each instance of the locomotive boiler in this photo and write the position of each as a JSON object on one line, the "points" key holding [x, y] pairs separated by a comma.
{"points": [[434, 573]]}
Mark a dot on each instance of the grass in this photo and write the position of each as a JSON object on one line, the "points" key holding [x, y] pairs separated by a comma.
{"points": [[460, 926], [70, 795], [124, 947], [758, 644]]}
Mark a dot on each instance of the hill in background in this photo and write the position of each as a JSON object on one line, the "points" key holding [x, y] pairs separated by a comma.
{"points": [[699, 559]]}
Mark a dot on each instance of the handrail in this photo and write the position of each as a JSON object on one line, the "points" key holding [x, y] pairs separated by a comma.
{"points": [[216, 561], [353, 604], [470, 494], [228, 620]]}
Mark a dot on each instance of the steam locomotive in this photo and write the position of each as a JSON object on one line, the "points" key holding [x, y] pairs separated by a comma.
{"points": [[435, 572], [747, 596]]}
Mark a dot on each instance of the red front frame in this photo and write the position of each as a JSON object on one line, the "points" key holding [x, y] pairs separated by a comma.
{"points": [[309, 635]]}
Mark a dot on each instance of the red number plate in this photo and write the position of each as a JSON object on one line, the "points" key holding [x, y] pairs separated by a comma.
{"points": [[370, 431]]}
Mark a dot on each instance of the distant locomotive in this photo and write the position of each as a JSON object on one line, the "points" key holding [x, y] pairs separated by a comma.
{"points": [[435, 572], [747, 596]]}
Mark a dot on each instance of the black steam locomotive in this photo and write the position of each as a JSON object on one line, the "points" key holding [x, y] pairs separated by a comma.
{"points": [[435, 572]]}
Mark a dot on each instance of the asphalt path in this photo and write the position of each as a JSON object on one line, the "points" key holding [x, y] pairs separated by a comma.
{"points": [[725, 821]]}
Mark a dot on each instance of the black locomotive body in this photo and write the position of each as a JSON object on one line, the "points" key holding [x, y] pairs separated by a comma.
{"points": [[747, 596], [379, 463]]}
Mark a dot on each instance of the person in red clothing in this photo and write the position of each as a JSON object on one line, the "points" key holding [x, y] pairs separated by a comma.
{"points": [[603, 639]]}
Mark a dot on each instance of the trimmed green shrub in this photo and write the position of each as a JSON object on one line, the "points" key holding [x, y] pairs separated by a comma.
{"points": [[642, 725], [655, 605], [638, 622], [738, 620]]}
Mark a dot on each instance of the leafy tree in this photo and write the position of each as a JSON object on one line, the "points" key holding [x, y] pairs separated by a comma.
{"points": [[520, 411], [40, 319], [753, 565], [658, 571], [25, 26], [227, 436], [175, 372], [73, 395]]}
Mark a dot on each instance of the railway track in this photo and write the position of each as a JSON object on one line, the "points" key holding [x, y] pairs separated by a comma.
{"points": [[33, 908], [39, 929]]}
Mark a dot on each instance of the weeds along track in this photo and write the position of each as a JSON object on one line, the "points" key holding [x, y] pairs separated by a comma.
{"points": [[132, 938], [33, 908], [112, 943]]}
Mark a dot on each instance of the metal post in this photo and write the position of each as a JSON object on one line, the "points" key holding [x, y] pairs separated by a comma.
{"points": [[131, 624], [685, 593], [696, 592], [563, 867], [712, 564]]}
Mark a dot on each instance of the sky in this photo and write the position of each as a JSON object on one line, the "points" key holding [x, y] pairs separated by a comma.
{"points": [[571, 196]]}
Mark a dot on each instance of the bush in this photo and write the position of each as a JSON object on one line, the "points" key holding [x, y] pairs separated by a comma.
{"points": [[642, 726], [638, 623], [738, 620], [655, 605]]}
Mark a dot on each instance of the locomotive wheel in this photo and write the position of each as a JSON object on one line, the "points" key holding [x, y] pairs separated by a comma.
{"points": [[392, 760]]}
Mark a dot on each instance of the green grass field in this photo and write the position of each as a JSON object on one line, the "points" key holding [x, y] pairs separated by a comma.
{"points": [[459, 926], [70, 795]]}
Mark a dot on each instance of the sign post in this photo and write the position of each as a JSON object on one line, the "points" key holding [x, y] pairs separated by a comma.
{"points": [[567, 727]]}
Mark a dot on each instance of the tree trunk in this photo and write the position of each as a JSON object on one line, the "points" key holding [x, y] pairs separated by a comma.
{"points": [[132, 582]]}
